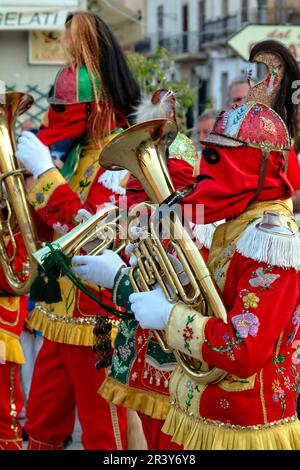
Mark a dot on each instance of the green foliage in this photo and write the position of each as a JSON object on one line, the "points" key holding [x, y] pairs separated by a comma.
{"points": [[156, 71]]}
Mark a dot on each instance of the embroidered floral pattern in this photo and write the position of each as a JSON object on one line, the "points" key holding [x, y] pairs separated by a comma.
{"points": [[246, 324], [228, 251], [192, 387], [125, 351], [296, 322], [40, 196], [230, 344], [219, 274], [250, 300], [188, 333], [296, 316], [280, 394], [262, 278]]}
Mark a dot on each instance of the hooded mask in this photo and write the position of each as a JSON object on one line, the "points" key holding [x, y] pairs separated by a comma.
{"points": [[246, 154]]}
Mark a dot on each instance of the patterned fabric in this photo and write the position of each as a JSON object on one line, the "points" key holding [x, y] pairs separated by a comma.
{"points": [[252, 125], [139, 365], [73, 85], [258, 348]]}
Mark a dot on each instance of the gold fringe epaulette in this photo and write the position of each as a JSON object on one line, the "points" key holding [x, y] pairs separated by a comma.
{"points": [[145, 401]]}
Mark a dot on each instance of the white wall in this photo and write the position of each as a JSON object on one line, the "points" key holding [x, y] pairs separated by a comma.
{"points": [[14, 67], [234, 68]]}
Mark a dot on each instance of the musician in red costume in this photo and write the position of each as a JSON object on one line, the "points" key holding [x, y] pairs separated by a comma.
{"points": [[254, 260], [92, 97], [13, 310], [141, 370]]}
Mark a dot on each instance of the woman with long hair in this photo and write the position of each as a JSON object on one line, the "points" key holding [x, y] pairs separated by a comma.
{"points": [[92, 98]]}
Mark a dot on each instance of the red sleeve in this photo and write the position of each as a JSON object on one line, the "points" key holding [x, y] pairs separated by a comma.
{"points": [[294, 170], [57, 204], [265, 299]]}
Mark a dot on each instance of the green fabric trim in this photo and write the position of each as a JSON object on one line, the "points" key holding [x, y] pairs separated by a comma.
{"points": [[125, 351], [121, 291], [71, 162], [85, 91], [154, 350]]}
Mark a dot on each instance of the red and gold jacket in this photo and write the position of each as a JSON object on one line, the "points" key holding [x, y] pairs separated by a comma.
{"points": [[254, 406], [57, 203], [141, 370], [13, 309]]}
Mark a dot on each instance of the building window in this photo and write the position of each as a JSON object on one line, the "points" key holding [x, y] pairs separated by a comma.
{"points": [[202, 6], [185, 28], [185, 18], [245, 6], [225, 8], [160, 24], [224, 87], [160, 18]]}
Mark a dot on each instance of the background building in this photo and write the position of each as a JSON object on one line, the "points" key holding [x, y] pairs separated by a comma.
{"points": [[197, 32], [30, 51]]}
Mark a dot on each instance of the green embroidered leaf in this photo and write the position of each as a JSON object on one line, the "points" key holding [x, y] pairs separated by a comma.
{"points": [[190, 319], [281, 358]]}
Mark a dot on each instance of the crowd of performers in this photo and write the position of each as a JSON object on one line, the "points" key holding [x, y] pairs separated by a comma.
{"points": [[249, 240]]}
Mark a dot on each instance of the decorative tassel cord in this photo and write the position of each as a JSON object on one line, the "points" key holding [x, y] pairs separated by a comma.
{"points": [[57, 264]]}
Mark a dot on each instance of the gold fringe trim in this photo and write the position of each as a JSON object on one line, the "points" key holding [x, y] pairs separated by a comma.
{"points": [[145, 401], [66, 333], [196, 434], [79, 335], [11, 349]]}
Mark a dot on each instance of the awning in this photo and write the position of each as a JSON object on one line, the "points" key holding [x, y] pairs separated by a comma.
{"points": [[51, 14], [36, 14], [122, 21]]}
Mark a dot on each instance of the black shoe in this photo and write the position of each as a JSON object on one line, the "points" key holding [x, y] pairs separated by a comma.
{"points": [[67, 442], [25, 436]]}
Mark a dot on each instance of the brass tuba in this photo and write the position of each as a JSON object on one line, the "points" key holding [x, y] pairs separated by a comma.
{"points": [[14, 209], [141, 149]]}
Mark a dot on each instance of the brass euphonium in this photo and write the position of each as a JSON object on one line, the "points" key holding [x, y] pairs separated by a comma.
{"points": [[141, 150], [94, 235], [14, 211]]}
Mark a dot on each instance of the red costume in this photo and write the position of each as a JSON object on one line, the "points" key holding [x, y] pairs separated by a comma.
{"points": [[141, 370], [254, 260], [13, 310], [65, 368]]}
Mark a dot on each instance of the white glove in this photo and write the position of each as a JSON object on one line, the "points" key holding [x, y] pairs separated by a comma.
{"points": [[100, 270], [151, 309], [82, 216], [33, 154]]}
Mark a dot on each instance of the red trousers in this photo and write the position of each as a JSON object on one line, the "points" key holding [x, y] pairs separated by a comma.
{"points": [[11, 403], [64, 378], [156, 439]]}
